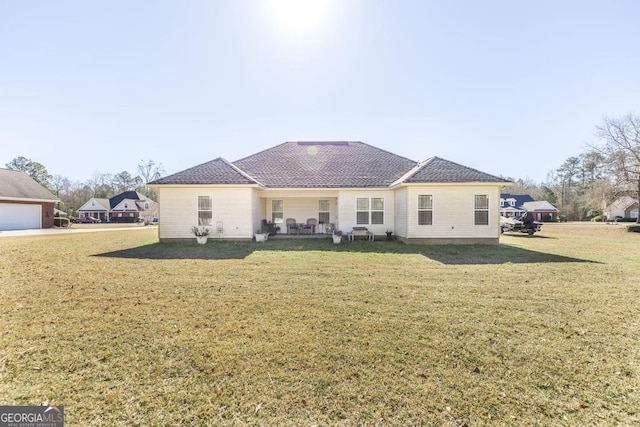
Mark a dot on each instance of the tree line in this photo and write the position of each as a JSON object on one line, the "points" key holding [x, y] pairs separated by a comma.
{"points": [[608, 169], [580, 187], [74, 194]]}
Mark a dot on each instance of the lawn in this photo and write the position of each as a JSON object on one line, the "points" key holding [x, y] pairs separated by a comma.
{"points": [[121, 330]]}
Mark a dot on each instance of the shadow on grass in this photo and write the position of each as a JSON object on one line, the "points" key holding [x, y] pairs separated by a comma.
{"points": [[445, 254]]}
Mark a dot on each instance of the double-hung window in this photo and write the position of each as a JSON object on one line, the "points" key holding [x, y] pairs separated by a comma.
{"points": [[370, 210], [324, 215], [481, 209], [425, 209], [205, 210], [277, 211]]}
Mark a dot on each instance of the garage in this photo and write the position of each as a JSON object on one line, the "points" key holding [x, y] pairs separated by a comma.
{"points": [[24, 203], [15, 216]]}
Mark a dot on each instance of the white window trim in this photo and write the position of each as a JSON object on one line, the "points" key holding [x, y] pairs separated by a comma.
{"points": [[370, 211], [476, 210], [205, 210], [424, 210]]}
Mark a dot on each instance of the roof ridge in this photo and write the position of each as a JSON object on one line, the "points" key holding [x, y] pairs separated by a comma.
{"points": [[240, 171]]}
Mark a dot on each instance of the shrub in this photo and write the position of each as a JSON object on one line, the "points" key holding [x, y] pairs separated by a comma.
{"points": [[598, 218], [633, 228]]}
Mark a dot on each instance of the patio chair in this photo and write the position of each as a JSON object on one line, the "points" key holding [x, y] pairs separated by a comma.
{"points": [[310, 226], [292, 226]]}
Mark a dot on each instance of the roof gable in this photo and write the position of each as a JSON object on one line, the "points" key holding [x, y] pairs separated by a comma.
{"points": [[17, 185], [95, 204], [439, 170], [519, 199], [217, 171], [541, 205], [132, 195]]}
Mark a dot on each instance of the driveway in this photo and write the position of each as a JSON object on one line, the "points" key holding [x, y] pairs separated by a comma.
{"points": [[70, 230]]}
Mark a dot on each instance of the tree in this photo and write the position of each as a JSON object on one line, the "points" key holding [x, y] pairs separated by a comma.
{"points": [[35, 170], [149, 171], [620, 146], [124, 181]]}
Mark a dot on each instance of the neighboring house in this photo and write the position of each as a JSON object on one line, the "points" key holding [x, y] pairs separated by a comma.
{"points": [[623, 207], [339, 184], [24, 204], [542, 210], [511, 204], [129, 206], [514, 205]]}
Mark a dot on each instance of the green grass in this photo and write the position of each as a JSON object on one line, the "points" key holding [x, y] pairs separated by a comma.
{"points": [[121, 330]]}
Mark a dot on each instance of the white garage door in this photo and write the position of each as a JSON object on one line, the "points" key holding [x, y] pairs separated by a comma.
{"points": [[19, 217]]}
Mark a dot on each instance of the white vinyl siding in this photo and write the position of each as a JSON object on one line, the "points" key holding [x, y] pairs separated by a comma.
{"points": [[453, 213], [400, 226], [347, 204], [235, 207]]}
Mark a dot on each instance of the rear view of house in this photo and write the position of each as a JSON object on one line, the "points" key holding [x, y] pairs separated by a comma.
{"points": [[337, 185], [24, 203]]}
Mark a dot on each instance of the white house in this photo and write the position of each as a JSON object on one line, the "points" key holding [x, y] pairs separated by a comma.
{"points": [[623, 207], [339, 184]]}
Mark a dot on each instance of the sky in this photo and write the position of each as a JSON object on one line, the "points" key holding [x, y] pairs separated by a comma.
{"points": [[512, 88]]}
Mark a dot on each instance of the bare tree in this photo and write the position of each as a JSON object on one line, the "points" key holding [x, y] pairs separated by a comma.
{"points": [[620, 145], [149, 171]]}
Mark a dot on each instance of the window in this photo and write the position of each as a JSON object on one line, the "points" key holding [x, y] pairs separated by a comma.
{"points": [[370, 211], [324, 215], [205, 210], [425, 209], [481, 210], [277, 211]]}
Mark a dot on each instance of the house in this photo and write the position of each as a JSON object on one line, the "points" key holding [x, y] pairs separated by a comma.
{"points": [[24, 203], [625, 207], [341, 185], [129, 206], [514, 205], [511, 204]]}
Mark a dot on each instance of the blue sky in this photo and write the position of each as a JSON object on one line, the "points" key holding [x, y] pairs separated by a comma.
{"points": [[512, 88]]}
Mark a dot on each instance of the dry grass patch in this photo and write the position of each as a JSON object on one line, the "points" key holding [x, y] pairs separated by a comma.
{"points": [[125, 331]]}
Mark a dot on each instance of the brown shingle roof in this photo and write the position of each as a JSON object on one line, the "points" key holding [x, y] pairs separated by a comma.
{"points": [[331, 164], [17, 185], [440, 170], [218, 171]]}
